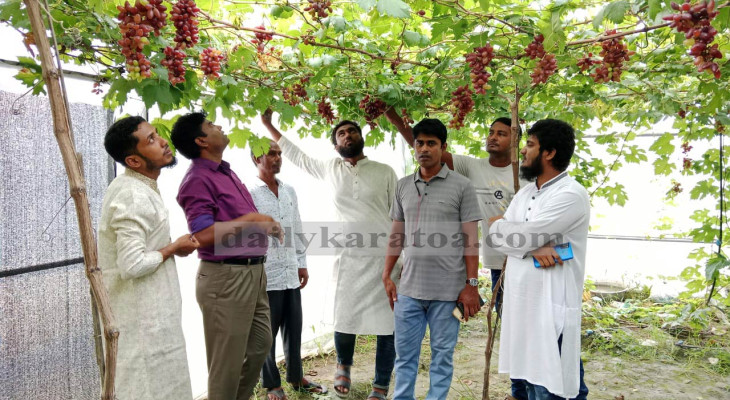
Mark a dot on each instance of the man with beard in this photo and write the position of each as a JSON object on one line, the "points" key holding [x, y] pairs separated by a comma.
{"points": [[231, 283], [363, 191], [286, 274], [540, 338], [492, 178], [435, 214], [135, 257]]}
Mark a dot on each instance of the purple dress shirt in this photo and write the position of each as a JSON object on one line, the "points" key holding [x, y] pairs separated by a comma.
{"points": [[210, 193]]}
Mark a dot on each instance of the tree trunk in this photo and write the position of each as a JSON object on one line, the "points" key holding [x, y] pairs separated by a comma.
{"points": [[514, 151], [62, 130]]}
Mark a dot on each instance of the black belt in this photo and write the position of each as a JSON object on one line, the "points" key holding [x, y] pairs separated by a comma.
{"points": [[244, 260]]}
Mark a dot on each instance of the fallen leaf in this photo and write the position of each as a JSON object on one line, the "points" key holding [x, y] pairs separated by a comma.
{"points": [[713, 360]]}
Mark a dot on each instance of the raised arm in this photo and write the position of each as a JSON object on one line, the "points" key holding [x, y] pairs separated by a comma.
{"points": [[312, 166], [266, 119], [407, 133]]}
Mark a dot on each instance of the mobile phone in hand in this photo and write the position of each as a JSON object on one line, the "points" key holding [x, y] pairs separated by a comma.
{"points": [[459, 309], [564, 250]]}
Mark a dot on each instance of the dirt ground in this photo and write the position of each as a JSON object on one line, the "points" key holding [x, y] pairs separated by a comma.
{"points": [[608, 377]]}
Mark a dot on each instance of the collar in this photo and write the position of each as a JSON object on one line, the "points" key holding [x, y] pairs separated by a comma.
{"points": [[554, 180], [258, 182], [151, 183], [212, 165], [363, 161], [443, 173]]}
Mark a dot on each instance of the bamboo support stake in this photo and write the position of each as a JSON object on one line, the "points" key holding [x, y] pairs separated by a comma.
{"points": [[62, 131], [514, 151]]}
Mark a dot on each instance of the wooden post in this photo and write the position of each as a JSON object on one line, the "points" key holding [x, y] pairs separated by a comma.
{"points": [[514, 152], [62, 131]]}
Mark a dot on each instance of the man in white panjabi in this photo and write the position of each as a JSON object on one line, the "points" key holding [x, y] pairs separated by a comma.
{"points": [[138, 268], [363, 192], [540, 337]]}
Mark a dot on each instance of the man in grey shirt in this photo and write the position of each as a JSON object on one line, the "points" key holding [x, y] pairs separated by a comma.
{"points": [[435, 213]]}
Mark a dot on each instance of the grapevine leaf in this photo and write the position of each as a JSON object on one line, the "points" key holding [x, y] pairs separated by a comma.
{"points": [[484, 4], [414, 38], [339, 23], [366, 4], [662, 166], [722, 20], [394, 8], [703, 189], [239, 137], [663, 145], [616, 11], [654, 7], [714, 265], [282, 12]]}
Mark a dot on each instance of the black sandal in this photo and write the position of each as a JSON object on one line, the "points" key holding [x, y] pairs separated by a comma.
{"points": [[310, 387], [342, 379]]}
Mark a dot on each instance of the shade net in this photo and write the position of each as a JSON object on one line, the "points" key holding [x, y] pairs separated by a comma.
{"points": [[47, 348]]}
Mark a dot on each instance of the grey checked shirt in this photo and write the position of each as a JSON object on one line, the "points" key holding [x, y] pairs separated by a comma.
{"points": [[433, 212], [282, 259]]}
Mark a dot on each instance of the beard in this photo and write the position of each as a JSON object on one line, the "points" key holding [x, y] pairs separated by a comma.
{"points": [[352, 150], [152, 165], [531, 172]]}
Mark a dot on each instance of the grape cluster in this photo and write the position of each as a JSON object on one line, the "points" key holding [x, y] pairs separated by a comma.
{"points": [[373, 109], [295, 93], [184, 17], [586, 62], [174, 63], [463, 104], [544, 68], [676, 187], [694, 22], [319, 8], [478, 61], [686, 161], [262, 38], [406, 118], [308, 39], [210, 62], [154, 13], [682, 113], [134, 37], [535, 49], [325, 110], [97, 88], [614, 53]]}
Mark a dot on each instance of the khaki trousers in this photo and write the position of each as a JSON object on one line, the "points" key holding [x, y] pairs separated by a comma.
{"points": [[237, 326]]}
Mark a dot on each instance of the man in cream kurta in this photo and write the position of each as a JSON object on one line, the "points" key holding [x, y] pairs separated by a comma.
{"points": [[135, 256], [363, 192], [540, 338]]}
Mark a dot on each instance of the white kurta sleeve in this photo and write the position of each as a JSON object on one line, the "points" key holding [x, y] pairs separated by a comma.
{"points": [[312, 166], [131, 220], [517, 238]]}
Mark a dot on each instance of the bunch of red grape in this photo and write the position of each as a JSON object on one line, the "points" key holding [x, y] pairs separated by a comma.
{"points": [[184, 17], [174, 63], [97, 88], [682, 113], [154, 13], [373, 109], [406, 118], [319, 8], [587, 62], [686, 161], [544, 68], [676, 187], [614, 53], [325, 110], [210, 62], [463, 104], [535, 49], [134, 38], [294, 93], [478, 62], [262, 38], [694, 22]]}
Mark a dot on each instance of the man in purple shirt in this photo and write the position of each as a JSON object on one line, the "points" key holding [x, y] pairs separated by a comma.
{"points": [[231, 283]]}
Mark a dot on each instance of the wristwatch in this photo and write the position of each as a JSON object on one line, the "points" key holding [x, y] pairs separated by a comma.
{"points": [[473, 282]]}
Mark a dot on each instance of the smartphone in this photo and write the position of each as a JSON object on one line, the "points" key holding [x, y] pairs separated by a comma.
{"points": [[564, 250], [459, 309]]}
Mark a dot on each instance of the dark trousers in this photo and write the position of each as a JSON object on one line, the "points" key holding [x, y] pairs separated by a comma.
{"points": [[496, 273], [384, 356], [286, 315], [524, 390]]}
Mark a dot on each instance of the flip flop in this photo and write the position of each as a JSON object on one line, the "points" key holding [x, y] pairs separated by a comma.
{"points": [[278, 393], [377, 395], [311, 387], [342, 379]]}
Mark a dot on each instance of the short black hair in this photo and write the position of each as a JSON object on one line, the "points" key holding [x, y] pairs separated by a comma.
{"points": [[508, 122], [430, 126], [342, 123], [184, 132], [554, 134], [120, 141]]}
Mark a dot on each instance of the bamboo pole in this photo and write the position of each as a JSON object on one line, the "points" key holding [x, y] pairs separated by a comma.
{"points": [[62, 131], [514, 151]]}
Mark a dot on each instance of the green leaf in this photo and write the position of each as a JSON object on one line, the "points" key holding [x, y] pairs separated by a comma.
{"points": [[662, 166], [663, 145], [616, 11], [412, 38], [654, 7], [263, 98], [484, 4], [339, 23], [703, 189], [722, 20], [714, 265], [394, 8], [282, 12], [239, 137], [366, 5]]}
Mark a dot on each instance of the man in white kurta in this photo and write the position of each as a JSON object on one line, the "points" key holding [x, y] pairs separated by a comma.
{"points": [[363, 192], [542, 306], [135, 257]]}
